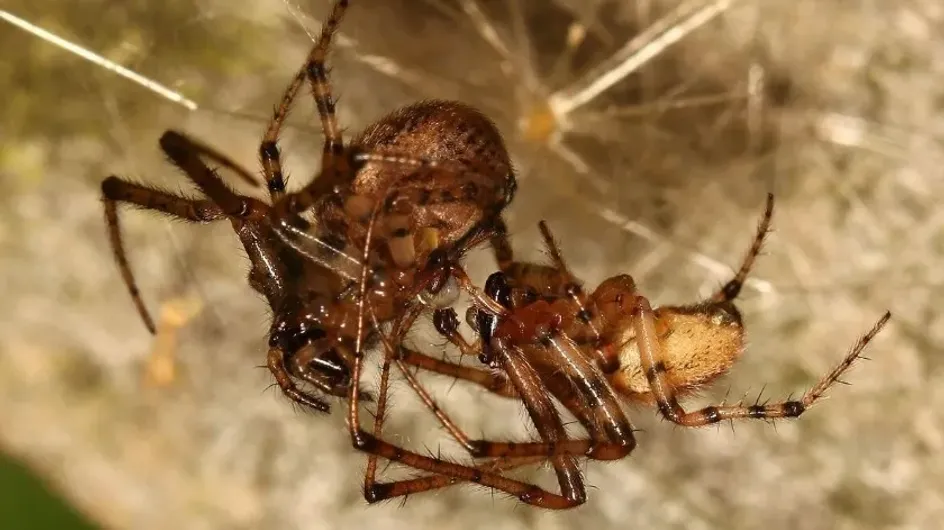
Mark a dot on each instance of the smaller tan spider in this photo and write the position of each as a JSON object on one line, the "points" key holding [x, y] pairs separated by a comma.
{"points": [[542, 338]]}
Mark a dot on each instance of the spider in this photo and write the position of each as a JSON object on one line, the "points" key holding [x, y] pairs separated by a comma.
{"points": [[436, 170], [428, 181], [542, 338]]}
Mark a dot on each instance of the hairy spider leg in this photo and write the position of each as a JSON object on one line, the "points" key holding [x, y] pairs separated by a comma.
{"points": [[593, 402], [732, 288], [246, 214], [581, 388], [276, 364], [557, 281], [448, 473], [221, 158], [316, 72], [534, 332], [221, 202]]}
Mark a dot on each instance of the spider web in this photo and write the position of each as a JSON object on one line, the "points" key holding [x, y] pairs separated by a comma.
{"points": [[647, 133]]}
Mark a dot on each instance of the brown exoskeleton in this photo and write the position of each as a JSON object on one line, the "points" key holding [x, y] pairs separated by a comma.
{"points": [[544, 339]]}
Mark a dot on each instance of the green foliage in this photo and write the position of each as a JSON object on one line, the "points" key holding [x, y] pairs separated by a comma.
{"points": [[26, 503]]}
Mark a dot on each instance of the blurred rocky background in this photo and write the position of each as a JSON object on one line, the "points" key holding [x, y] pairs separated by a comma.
{"points": [[646, 132]]}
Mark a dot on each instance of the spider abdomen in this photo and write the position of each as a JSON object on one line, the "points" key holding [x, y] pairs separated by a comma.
{"points": [[698, 344], [462, 142]]}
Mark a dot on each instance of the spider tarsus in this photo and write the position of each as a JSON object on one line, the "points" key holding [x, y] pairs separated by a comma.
{"points": [[377, 492]]}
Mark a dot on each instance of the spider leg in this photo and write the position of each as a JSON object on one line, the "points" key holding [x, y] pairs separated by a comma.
{"points": [[553, 249], [276, 364], [731, 289], [608, 442], [534, 395], [571, 483], [185, 154], [402, 354], [371, 444], [457, 433], [434, 482], [315, 71], [587, 397], [323, 383], [320, 86], [563, 370], [447, 324], [566, 372], [370, 474], [586, 324], [399, 354], [491, 381], [114, 191], [221, 158], [653, 365], [376, 491], [537, 401], [576, 382]]}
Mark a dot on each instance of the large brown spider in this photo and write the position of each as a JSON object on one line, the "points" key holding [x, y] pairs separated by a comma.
{"points": [[427, 182], [543, 339], [432, 174]]}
